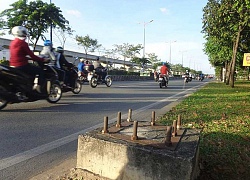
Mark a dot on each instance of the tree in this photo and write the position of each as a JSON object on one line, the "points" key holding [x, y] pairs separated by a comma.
{"points": [[178, 68], [110, 53], [153, 58], [142, 61], [1, 26], [227, 22], [36, 16], [128, 50], [88, 43], [62, 34]]}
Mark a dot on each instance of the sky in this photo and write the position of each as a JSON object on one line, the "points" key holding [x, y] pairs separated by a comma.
{"points": [[174, 35]]}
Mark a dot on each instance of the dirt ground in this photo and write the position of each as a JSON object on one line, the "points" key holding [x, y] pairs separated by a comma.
{"points": [[63, 171], [67, 171]]}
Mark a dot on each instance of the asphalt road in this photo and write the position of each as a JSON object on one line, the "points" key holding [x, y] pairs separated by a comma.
{"points": [[38, 135]]}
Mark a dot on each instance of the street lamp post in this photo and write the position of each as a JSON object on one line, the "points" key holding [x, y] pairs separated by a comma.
{"points": [[144, 36], [182, 57], [50, 28], [170, 42]]}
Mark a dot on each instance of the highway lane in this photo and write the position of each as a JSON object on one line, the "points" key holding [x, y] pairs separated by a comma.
{"points": [[37, 135]]}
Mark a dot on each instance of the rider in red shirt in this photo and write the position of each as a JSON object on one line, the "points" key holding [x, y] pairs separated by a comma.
{"points": [[164, 69], [19, 50]]}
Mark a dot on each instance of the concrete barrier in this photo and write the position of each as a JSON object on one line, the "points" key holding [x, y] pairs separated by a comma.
{"points": [[114, 155]]}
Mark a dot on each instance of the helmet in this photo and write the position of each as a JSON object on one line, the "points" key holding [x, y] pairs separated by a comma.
{"points": [[59, 49], [19, 31], [164, 64], [81, 60], [47, 43]]}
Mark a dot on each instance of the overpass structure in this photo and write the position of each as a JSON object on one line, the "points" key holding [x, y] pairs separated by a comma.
{"points": [[70, 55]]}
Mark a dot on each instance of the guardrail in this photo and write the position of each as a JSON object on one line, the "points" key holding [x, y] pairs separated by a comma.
{"points": [[131, 78], [135, 78]]}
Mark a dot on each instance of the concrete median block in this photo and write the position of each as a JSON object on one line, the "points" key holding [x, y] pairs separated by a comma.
{"points": [[120, 159]]}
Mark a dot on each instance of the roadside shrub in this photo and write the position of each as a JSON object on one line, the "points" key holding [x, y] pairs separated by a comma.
{"points": [[4, 62]]}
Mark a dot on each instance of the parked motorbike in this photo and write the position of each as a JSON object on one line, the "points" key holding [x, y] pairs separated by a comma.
{"points": [[163, 80], [94, 78], [17, 86], [75, 87]]}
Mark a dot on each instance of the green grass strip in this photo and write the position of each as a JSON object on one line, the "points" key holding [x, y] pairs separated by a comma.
{"points": [[224, 115]]}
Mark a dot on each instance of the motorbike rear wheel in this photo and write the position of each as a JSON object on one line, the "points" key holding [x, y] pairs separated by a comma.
{"points": [[55, 93], [160, 84], [108, 81], [93, 82], [78, 87], [3, 102]]}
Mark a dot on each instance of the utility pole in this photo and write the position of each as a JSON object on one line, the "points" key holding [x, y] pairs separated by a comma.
{"points": [[50, 26]]}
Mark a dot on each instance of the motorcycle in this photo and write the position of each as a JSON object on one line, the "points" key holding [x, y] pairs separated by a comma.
{"points": [[156, 76], [75, 87], [95, 78], [201, 78], [187, 79], [163, 80], [82, 77], [17, 86]]}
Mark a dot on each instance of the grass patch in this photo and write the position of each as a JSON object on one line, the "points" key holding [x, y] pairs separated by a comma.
{"points": [[224, 115]]}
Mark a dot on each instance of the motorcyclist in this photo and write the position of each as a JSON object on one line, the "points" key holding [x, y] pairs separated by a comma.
{"points": [[164, 71], [82, 73], [81, 65], [100, 70], [188, 76], [47, 51], [201, 77], [19, 50], [64, 65]]}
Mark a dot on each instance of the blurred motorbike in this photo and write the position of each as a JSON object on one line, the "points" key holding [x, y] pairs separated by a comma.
{"points": [[17, 86], [163, 80], [187, 79], [95, 78], [201, 77], [82, 77], [75, 85]]}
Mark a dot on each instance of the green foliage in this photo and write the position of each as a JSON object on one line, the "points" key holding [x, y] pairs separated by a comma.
{"points": [[153, 58], [127, 50], [226, 25], [36, 16], [4, 62], [223, 114], [143, 61], [88, 43]]}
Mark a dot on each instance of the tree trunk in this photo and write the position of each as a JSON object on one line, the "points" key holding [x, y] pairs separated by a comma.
{"points": [[248, 73], [222, 76], [228, 70], [225, 73], [232, 72]]}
